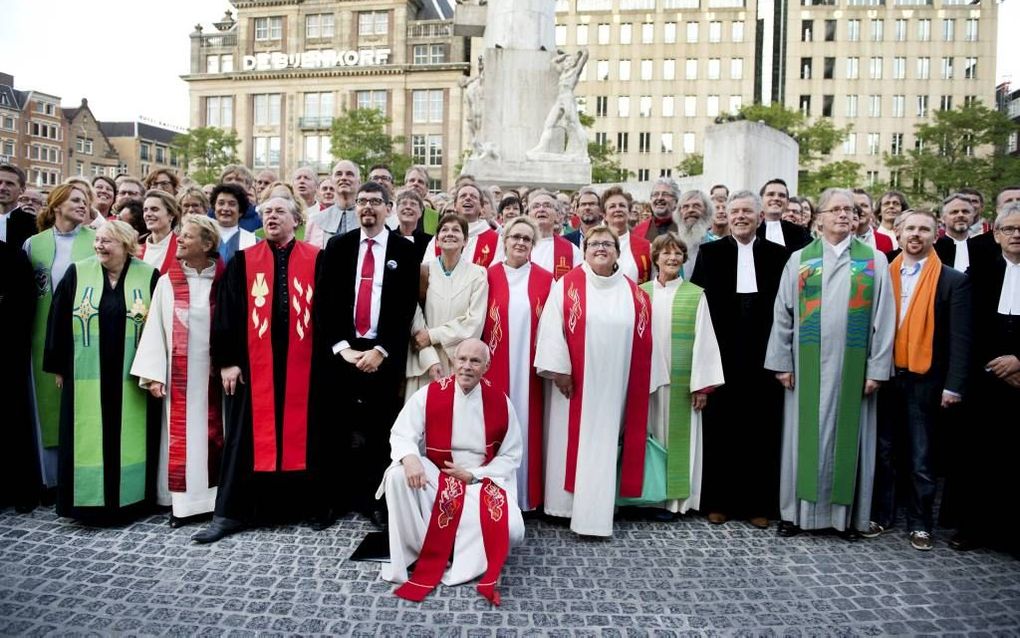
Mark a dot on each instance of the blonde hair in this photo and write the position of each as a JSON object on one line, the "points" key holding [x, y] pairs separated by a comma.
{"points": [[193, 191], [123, 233]]}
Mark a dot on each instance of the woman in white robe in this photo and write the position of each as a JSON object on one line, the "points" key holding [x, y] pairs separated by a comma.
{"points": [[706, 372], [455, 295], [196, 249], [161, 213]]}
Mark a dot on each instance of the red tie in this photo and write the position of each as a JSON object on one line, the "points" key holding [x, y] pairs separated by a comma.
{"points": [[363, 311]]}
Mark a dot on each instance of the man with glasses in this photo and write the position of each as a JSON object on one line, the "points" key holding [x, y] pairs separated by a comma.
{"points": [[164, 180], [664, 219], [551, 252], [31, 201], [775, 195], [589, 211], [831, 348], [368, 287]]}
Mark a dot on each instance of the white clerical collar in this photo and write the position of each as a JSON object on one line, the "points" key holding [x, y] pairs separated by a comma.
{"points": [[523, 267], [841, 246], [742, 246], [959, 241], [672, 283], [599, 280]]}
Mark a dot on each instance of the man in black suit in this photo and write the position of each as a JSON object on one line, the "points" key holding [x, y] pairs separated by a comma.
{"points": [[367, 290], [953, 248], [589, 210], [932, 357], [740, 275], [16, 225], [774, 197]]}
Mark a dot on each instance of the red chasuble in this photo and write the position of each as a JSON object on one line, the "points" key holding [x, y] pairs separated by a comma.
{"points": [[449, 504], [563, 257], [496, 335], [259, 274], [641, 251], [635, 419], [178, 423], [169, 259]]}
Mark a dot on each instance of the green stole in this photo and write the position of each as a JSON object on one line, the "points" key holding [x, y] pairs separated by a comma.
{"points": [[678, 440], [47, 394], [858, 329], [88, 415], [430, 220], [260, 232]]}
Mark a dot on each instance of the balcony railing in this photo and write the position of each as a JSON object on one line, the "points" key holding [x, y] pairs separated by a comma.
{"points": [[219, 40], [430, 29], [315, 122]]}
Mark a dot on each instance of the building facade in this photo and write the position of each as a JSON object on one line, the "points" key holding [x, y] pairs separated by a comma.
{"points": [[89, 151], [142, 147], [282, 71], [33, 133]]}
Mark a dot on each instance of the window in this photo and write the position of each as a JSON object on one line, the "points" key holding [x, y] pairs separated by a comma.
{"points": [[690, 69], [601, 138], [669, 33], [626, 33], [829, 66], [970, 69], [561, 35], [851, 106], [737, 69], [875, 68], [898, 105], [644, 142], [737, 31], [714, 68], [877, 30], [948, 29], [319, 104], [267, 110], [853, 68], [212, 64], [669, 69], [666, 143], [806, 30], [946, 103], [624, 73], [227, 63], [715, 31], [900, 30], [689, 143], [874, 143], [581, 34], [923, 68], [427, 106], [429, 54], [317, 149], [805, 105], [970, 30], [161, 155], [427, 150], [850, 144], [899, 68], [646, 70], [602, 70], [145, 152], [922, 106], [805, 68], [853, 30], [667, 106], [830, 30], [623, 106], [8, 148], [924, 30], [603, 33], [736, 102], [827, 101], [83, 145], [268, 29], [896, 147], [266, 152], [692, 32], [690, 106], [647, 33], [373, 23], [712, 105], [7, 123], [622, 142], [970, 100], [371, 99], [643, 175], [947, 68], [601, 106], [874, 106], [320, 25]]}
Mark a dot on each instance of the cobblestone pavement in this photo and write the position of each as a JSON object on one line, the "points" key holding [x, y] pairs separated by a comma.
{"points": [[650, 579]]}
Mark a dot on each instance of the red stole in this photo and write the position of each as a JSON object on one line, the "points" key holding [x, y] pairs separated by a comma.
{"points": [[563, 257], [641, 251], [177, 427], [485, 248], [260, 272], [449, 504], [635, 420], [495, 334], [169, 259]]}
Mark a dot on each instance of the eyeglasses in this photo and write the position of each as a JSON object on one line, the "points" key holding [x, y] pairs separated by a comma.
{"points": [[524, 239], [549, 205], [849, 210], [369, 201], [381, 178], [1009, 230], [162, 183], [601, 244]]}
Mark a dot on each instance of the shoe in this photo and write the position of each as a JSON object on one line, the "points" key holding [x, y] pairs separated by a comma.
{"points": [[850, 535], [759, 521], [324, 521], [921, 541], [961, 543], [663, 516], [175, 522], [218, 529], [787, 529], [717, 518], [874, 530]]}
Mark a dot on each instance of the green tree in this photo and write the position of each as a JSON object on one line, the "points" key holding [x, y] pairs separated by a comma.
{"points": [[205, 151], [693, 164], [359, 135], [957, 148], [605, 163]]}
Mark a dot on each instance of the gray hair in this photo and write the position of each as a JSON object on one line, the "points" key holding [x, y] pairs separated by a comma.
{"points": [[292, 206], [1009, 210], [829, 193], [706, 201], [745, 194], [673, 186], [955, 197]]}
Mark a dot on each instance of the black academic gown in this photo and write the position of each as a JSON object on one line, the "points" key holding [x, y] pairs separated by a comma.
{"points": [[59, 359], [743, 419], [20, 480], [795, 237], [20, 226], [243, 494]]}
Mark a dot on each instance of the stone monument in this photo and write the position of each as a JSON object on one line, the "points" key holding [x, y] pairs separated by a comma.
{"points": [[745, 154], [522, 120]]}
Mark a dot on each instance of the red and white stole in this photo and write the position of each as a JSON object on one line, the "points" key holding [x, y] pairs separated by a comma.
{"points": [[169, 259], [485, 248], [449, 504], [563, 257], [635, 420], [496, 335], [177, 427], [259, 272], [641, 251]]}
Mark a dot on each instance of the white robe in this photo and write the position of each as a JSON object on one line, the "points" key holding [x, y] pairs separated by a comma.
{"points": [[543, 254], [152, 365], [475, 229], [155, 253], [411, 509], [607, 349], [454, 311], [706, 373], [628, 265]]}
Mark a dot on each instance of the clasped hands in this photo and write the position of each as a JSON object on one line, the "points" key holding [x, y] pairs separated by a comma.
{"points": [[415, 472], [364, 360]]}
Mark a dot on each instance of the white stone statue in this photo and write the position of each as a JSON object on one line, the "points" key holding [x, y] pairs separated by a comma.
{"points": [[563, 135], [474, 100]]}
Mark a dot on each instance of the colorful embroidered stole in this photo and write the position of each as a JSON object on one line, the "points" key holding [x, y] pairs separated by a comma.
{"points": [[47, 394], [641, 251], [260, 272], [496, 335], [563, 257], [845, 453], [449, 503], [169, 259], [88, 411], [485, 248], [683, 317], [177, 426], [635, 422]]}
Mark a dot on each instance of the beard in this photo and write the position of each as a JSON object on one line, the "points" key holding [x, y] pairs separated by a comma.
{"points": [[693, 233]]}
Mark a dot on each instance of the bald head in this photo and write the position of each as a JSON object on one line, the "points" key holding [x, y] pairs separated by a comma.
{"points": [[470, 363]]}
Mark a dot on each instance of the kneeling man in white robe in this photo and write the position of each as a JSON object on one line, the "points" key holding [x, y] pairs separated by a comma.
{"points": [[452, 487]]}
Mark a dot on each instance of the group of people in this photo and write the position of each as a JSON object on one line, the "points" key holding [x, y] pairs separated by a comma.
{"points": [[266, 351]]}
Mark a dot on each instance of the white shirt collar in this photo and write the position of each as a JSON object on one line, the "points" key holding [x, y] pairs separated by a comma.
{"points": [[380, 238]]}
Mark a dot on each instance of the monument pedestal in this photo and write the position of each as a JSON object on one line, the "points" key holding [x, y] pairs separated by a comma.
{"points": [[745, 155], [553, 175]]}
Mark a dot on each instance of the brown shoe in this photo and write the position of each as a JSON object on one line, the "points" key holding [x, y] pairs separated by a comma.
{"points": [[759, 521], [717, 518]]}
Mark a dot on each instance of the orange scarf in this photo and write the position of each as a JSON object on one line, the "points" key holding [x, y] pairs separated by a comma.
{"points": [[915, 334]]}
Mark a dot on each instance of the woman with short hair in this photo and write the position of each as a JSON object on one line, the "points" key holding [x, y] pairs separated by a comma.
{"points": [[160, 213]]}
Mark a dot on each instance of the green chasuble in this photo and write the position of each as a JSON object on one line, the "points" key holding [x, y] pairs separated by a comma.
{"points": [[88, 413], [47, 394], [430, 220], [678, 441], [845, 453]]}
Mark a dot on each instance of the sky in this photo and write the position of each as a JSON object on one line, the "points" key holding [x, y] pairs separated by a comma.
{"points": [[126, 56]]}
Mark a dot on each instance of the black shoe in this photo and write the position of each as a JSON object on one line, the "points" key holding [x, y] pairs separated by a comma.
{"points": [[219, 528], [379, 518], [850, 535], [175, 522], [961, 543], [324, 521], [787, 529]]}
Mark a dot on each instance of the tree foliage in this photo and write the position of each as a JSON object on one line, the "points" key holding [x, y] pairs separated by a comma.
{"points": [[206, 151], [605, 163], [693, 164], [359, 135], [957, 148]]}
